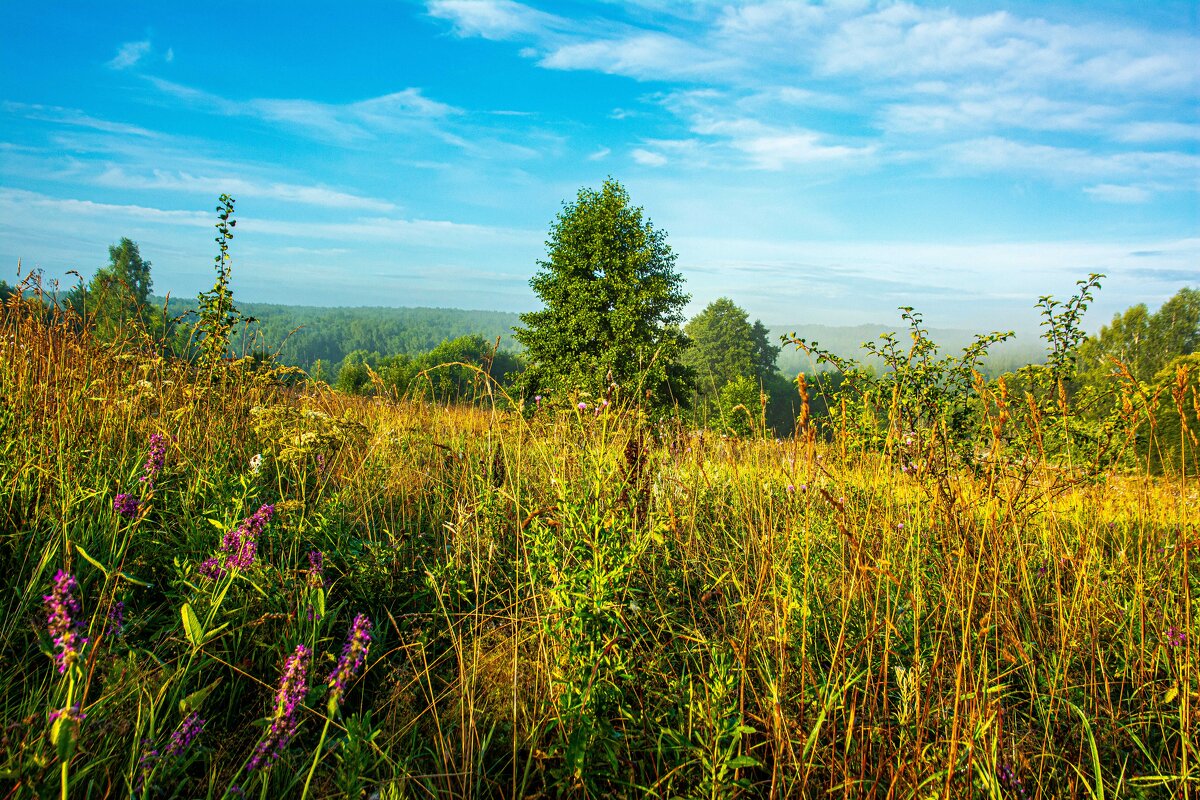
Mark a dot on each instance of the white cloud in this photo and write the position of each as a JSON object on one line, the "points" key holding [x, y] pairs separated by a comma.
{"points": [[904, 40], [1005, 155], [74, 117], [1111, 193], [129, 54], [364, 119], [976, 110], [1158, 132], [648, 159], [645, 55], [599, 154], [211, 186], [16, 203], [492, 19]]}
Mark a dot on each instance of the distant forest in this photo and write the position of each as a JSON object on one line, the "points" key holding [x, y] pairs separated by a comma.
{"points": [[304, 335]]}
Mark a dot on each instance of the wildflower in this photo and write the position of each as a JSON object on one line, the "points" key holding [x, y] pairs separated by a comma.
{"points": [[316, 570], [62, 620], [1176, 637], [791, 489], [187, 732], [899, 526], [256, 462], [210, 569], [239, 545], [126, 505], [73, 714], [155, 459], [116, 620], [293, 685], [353, 654], [582, 406]]}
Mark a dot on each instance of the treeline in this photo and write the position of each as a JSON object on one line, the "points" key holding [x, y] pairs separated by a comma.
{"points": [[612, 330], [302, 336]]}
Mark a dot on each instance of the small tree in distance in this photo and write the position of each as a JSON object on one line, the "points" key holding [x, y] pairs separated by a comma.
{"points": [[613, 304]]}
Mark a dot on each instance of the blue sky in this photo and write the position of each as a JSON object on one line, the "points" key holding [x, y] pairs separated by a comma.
{"points": [[821, 162]]}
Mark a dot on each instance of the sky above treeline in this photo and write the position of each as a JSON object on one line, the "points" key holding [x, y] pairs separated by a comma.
{"points": [[821, 162]]}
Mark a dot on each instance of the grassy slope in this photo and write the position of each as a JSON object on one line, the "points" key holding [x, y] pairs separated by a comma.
{"points": [[578, 604]]}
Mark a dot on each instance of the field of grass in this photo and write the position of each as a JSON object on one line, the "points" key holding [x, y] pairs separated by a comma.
{"points": [[576, 604]]}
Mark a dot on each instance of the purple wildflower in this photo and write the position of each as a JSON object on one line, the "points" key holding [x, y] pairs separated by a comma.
{"points": [[145, 765], [353, 654], [316, 570], [292, 687], [239, 545], [791, 489], [1176, 637], [73, 714], [582, 406], [62, 621], [156, 459], [210, 569], [184, 735], [116, 620], [126, 505]]}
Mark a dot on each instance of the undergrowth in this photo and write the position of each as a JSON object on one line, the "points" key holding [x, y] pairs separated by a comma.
{"points": [[578, 602]]}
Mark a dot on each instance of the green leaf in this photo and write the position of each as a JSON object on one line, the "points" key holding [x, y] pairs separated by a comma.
{"points": [[194, 700], [91, 560], [741, 762], [191, 625]]}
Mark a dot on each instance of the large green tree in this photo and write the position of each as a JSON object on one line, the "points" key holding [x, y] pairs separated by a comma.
{"points": [[1142, 341], [725, 347], [734, 364], [613, 303], [116, 301]]}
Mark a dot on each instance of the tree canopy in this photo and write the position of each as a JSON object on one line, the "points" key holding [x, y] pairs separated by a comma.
{"points": [[1142, 341], [725, 347], [118, 295], [613, 303]]}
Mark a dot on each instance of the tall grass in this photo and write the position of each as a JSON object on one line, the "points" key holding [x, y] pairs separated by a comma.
{"points": [[580, 603]]}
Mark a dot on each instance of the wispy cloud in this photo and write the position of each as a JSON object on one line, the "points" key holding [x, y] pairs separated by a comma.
{"points": [[129, 54], [494, 19], [648, 159], [74, 117], [364, 119], [211, 186], [1111, 193]]}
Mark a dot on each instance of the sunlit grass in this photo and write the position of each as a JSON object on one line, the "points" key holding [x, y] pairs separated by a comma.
{"points": [[575, 603]]}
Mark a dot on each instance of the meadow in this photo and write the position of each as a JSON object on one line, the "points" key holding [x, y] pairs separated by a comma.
{"points": [[222, 583]]}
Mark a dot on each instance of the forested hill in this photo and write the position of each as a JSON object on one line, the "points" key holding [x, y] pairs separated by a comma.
{"points": [[304, 334], [308, 333]]}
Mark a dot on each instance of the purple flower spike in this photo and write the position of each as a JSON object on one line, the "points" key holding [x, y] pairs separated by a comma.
{"points": [[316, 571], [1176, 637], [239, 545], [62, 621], [284, 723], [353, 655], [126, 505], [116, 620], [184, 736], [156, 458]]}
